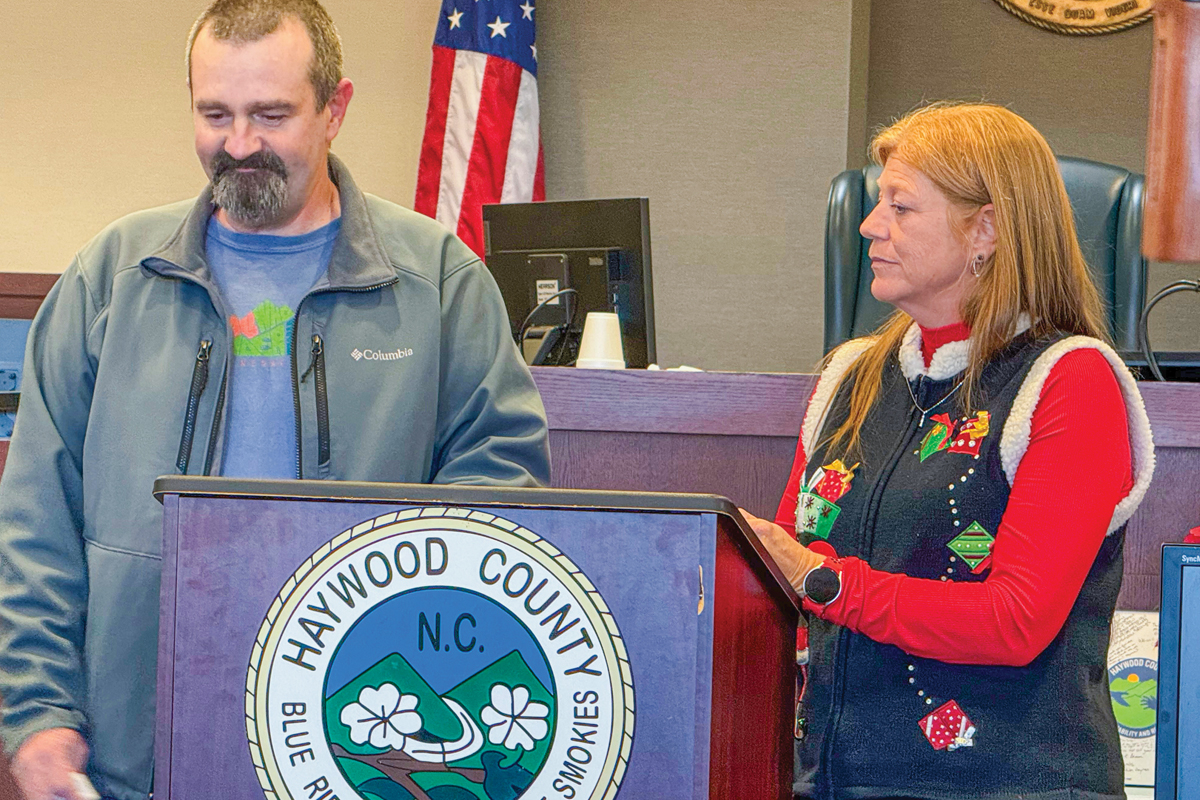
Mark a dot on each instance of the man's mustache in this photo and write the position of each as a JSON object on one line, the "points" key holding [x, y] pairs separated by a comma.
{"points": [[222, 163]]}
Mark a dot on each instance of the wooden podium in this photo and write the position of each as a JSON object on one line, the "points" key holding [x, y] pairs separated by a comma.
{"points": [[390, 641]]}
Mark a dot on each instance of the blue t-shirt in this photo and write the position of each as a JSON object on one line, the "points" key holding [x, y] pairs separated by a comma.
{"points": [[262, 279]]}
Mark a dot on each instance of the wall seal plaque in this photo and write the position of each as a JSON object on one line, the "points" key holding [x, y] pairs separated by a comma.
{"points": [[439, 654], [1081, 17]]}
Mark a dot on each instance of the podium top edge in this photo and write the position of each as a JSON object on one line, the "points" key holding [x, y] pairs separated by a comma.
{"points": [[451, 494], [480, 496]]}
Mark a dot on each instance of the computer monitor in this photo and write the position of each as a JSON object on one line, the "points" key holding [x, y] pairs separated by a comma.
{"points": [[13, 333], [598, 248], [1177, 754]]}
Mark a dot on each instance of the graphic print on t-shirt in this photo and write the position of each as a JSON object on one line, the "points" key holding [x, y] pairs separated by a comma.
{"points": [[262, 280], [265, 331]]}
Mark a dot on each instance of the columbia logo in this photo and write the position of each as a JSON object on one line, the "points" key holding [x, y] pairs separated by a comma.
{"points": [[381, 355]]}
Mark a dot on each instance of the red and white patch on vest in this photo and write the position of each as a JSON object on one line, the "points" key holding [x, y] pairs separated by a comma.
{"points": [[949, 728], [833, 480], [971, 434]]}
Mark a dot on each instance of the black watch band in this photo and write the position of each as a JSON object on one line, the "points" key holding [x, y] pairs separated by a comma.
{"points": [[823, 585]]}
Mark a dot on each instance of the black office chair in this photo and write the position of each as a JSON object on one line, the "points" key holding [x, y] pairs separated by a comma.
{"points": [[1107, 202]]}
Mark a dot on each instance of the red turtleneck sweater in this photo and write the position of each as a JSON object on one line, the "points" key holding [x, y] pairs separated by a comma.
{"points": [[1077, 468]]}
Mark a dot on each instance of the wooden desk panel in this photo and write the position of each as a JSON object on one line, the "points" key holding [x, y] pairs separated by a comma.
{"points": [[726, 433], [21, 293], [735, 434], [742, 468], [1170, 510], [636, 401]]}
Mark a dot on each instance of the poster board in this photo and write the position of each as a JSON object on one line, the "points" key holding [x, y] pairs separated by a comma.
{"points": [[1133, 685]]}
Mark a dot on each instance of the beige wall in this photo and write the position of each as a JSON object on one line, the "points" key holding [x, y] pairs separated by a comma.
{"points": [[1089, 96], [732, 116], [1086, 94], [95, 112]]}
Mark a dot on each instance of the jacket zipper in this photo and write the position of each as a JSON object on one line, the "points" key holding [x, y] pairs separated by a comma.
{"points": [[173, 270], [199, 381], [216, 426], [296, 396], [317, 367], [318, 349]]}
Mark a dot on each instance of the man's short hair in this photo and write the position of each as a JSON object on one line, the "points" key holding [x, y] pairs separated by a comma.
{"points": [[243, 21]]}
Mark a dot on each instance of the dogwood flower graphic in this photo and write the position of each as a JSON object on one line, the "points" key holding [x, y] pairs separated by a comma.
{"points": [[382, 717], [513, 721]]}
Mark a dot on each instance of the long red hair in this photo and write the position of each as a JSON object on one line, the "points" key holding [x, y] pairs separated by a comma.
{"points": [[978, 154]]}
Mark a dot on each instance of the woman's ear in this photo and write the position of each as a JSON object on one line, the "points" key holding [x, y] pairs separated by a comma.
{"points": [[983, 231]]}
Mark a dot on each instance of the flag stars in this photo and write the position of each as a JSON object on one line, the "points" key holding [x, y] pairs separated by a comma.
{"points": [[455, 19], [526, 10], [533, 47], [499, 28]]}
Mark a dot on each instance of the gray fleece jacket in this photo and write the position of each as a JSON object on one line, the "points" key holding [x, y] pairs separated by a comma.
{"points": [[126, 374]]}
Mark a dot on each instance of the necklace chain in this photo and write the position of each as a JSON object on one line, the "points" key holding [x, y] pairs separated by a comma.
{"points": [[925, 411]]}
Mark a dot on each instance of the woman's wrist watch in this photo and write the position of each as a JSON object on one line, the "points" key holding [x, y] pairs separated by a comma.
{"points": [[823, 585]]}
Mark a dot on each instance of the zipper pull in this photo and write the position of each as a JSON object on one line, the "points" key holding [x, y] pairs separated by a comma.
{"points": [[199, 381], [317, 349]]}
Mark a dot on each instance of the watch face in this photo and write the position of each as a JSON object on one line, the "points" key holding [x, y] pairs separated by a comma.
{"points": [[822, 585]]}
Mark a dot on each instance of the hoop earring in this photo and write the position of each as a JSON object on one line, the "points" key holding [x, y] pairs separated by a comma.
{"points": [[976, 264]]}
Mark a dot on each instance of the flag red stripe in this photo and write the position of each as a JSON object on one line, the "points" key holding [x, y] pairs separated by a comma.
{"points": [[429, 171], [489, 151], [539, 177]]}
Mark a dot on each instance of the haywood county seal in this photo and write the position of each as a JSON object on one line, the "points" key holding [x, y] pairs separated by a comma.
{"points": [[1133, 684], [439, 654], [1081, 17]]}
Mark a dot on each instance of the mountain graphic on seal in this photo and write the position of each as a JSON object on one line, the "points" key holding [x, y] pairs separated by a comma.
{"points": [[451, 756], [1135, 702], [437, 718], [475, 693]]}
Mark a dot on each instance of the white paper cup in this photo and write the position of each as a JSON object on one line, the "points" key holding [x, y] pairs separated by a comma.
{"points": [[600, 347]]}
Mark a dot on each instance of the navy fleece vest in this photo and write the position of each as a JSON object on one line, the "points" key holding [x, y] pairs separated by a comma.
{"points": [[925, 501]]}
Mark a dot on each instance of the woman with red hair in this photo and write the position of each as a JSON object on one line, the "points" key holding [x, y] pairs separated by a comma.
{"points": [[956, 513]]}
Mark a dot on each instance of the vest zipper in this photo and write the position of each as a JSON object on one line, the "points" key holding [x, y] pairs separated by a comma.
{"points": [[199, 381], [842, 645], [839, 665]]}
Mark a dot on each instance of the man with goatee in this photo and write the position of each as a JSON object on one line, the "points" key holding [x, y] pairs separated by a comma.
{"points": [[281, 325]]}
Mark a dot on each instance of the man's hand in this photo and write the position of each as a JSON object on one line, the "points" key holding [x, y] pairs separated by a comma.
{"points": [[794, 559], [44, 764]]}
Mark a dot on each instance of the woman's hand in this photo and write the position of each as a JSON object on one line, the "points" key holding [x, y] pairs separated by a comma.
{"points": [[794, 559]]}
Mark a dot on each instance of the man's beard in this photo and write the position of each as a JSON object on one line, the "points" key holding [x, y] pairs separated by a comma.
{"points": [[253, 199]]}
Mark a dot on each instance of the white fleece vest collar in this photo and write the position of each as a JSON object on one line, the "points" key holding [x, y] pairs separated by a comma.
{"points": [[818, 407], [948, 360]]}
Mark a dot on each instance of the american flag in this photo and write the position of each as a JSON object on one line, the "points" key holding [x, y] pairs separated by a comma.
{"points": [[482, 143]]}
